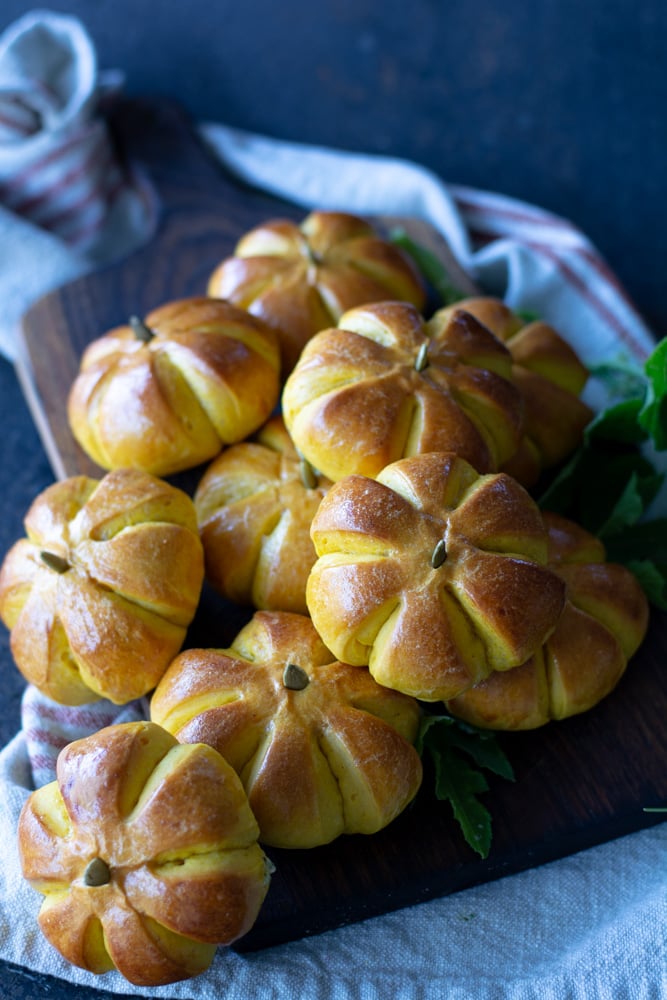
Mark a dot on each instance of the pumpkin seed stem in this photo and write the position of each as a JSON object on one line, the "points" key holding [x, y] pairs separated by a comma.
{"points": [[421, 361], [439, 554], [140, 330], [295, 678], [54, 561], [308, 476], [97, 873]]}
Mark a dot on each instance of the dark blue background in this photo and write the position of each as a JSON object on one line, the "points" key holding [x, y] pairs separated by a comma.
{"points": [[561, 103]]}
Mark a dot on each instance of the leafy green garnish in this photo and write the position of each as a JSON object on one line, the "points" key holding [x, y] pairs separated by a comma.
{"points": [[610, 482], [608, 486], [653, 415], [624, 379], [652, 580], [454, 747], [430, 267]]}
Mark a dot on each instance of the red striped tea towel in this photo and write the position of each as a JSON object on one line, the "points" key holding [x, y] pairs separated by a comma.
{"points": [[58, 169], [48, 727], [533, 259], [66, 201]]}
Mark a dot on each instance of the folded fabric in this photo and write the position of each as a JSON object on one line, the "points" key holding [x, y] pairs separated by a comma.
{"points": [[533, 259], [66, 202]]}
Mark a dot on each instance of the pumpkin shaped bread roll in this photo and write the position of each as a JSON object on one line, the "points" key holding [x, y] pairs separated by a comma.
{"points": [[385, 385], [550, 376], [320, 747], [254, 504], [432, 575], [602, 625], [168, 393], [300, 278], [99, 594], [146, 853]]}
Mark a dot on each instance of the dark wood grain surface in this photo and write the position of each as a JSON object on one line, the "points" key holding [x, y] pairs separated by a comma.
{"points": [[578, 783]]}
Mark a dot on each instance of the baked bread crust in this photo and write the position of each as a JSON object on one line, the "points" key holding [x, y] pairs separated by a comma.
{"points": [[432, 575], [146, 852], [551, 378], [207, 376], [334, 756], [99, 594], [254, 504], [300, 278], [603, 623], [385, 384]]}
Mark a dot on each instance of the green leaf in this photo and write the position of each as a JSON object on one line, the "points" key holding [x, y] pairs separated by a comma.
{"points": [[626, 511], [652, 579], [483, 748], [428, 723], [454, 747], [593, 487], [619, 423], [653, 415], [640, 412], [527, 315], [623, 378], [646, 540], [559, 494], [460, 784], [430, 267], [609, 482]]}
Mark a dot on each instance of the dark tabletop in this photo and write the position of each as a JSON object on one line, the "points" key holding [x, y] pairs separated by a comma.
{"points": [[559, 103]]}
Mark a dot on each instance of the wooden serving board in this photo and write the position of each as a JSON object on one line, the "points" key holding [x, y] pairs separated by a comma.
{"points": [[578, 783]]}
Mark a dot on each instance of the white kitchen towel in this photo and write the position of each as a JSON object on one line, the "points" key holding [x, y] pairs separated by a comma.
{"points": [[533, 259], [67, 203], [590, 926]]}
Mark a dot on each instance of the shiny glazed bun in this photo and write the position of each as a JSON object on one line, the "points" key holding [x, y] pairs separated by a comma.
{"points": [[320, 747], [433, 575], [300, 278], [99, 594], [602, 625], [146, 853], [254, 504], [385, 385], [167, 393], [550, 376]]}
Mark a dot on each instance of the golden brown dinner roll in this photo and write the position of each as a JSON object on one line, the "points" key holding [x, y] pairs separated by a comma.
{"points": [[301, 278], [146, 852], [254, 506], [167, 393], [99, 594], [385, 384], [432, 575], [551, 378], [602, 625], [320, 747]]}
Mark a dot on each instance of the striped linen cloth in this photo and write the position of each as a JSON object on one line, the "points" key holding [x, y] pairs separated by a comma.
{"points": [[571, 258], [67, 203], [535, 260], [48, 727], [58, 168]]}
